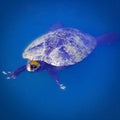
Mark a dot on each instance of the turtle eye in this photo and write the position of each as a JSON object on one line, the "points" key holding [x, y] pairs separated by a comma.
{"points": [[33, 67]]}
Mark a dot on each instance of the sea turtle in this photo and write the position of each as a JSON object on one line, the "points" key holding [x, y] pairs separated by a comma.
{"points": [[56, 50]]}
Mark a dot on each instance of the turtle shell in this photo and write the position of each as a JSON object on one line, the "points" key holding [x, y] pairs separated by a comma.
{"points": [[61, 47]]}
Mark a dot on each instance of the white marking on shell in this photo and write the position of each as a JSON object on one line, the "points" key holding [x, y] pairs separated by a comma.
{"points": [[55, 58], [30, 54]]}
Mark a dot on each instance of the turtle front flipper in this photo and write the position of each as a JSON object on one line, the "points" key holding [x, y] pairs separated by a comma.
{"points": [[54, 75], [14, 74]]}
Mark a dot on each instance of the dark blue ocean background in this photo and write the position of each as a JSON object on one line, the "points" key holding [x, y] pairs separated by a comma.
{"points": [[93, 85]]}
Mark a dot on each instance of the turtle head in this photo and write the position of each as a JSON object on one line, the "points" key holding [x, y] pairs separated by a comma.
{"points": [[33, 66]]}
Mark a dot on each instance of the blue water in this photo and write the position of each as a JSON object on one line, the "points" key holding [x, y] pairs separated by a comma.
{"points": [[93, 86]]}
